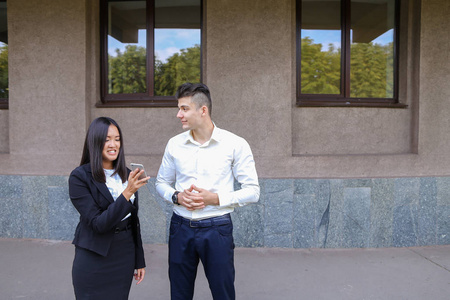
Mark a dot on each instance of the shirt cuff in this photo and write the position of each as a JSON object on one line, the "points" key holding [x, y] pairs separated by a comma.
{"points": [[225, 199], [168, 195]]}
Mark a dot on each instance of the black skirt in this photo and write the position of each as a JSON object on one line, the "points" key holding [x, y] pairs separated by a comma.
{"points": [[98, 277]]}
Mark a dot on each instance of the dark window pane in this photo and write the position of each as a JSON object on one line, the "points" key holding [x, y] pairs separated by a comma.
{"points": [[177, 44], [372, 49], [127, 47], [320, 47], [4, 90]]}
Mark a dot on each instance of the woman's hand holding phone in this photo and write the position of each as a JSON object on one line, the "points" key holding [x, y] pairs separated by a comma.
{"points": [[143, 175], [137, 179]]}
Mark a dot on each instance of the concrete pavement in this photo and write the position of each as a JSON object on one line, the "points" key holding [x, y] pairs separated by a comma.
{"points": [[41, 269]]}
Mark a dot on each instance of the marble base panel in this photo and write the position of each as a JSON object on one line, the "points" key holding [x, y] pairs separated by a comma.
{"points": [[291, 213]]}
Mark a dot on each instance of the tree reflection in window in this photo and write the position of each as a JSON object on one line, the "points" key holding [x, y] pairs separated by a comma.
{"points": [[149, 48], [347, 50]]}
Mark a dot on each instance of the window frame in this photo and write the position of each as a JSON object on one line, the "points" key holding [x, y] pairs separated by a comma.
{"points": [[344, 99], [137, 99], [4, 102]]}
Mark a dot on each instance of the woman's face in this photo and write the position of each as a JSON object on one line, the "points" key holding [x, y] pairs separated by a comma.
{"points": [[111, 148]]}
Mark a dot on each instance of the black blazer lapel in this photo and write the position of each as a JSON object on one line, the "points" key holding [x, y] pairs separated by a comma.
{"points": [[104, 190], [100, 186]]}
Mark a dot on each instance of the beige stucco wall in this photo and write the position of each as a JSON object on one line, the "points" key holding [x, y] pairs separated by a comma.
{"points": [[47, 69], [4, 131], [250, 69], [434, 130]]}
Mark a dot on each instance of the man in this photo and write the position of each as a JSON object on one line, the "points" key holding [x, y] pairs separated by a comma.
{"points": [[202, 164]]}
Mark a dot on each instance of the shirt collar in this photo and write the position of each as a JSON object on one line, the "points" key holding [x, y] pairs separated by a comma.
{"points": [[216, 136]]}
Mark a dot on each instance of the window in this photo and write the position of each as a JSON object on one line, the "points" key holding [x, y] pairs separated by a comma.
{"points": [[347, 53], [4, 89], [148, 49]]}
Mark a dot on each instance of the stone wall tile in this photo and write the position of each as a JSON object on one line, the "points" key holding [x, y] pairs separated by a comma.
{"points": [[11, 187], [443, 225], [278, 213], [62, 181], [443, 190], [35, 208], [248, 226], [427, 211], [405, 226], [248, 221], [276, 186], [334, 235], [11, 200], [406, 191], [11, 216], [364, 182], [322, 211], [278, 198], [305, 186], [356, 217], [381, 212], [154, 215], [304, 230], [63, 217]]}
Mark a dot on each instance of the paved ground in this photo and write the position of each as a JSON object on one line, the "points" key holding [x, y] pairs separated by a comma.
{"points": [[41, 269]]}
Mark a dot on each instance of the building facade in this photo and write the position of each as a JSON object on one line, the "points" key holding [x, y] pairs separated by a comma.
{"points": [[341, 174]]}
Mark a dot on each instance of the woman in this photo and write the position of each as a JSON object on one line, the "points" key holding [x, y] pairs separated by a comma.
{"points": [[108, 244]]}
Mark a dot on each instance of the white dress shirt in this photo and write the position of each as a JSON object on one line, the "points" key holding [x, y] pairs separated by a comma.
{"points": [[212, 166]]}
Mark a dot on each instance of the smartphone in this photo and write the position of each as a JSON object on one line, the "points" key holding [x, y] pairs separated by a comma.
{"points": [[140, 167]]}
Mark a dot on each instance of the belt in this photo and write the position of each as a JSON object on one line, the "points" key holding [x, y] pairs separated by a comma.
{"points": [[220, 220], [123, 226]]}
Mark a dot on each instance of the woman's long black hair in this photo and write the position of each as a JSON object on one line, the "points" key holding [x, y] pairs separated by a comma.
{"points": [[93, 148]]}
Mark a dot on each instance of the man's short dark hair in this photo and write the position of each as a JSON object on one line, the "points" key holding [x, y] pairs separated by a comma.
{"points": [[198, 91]]}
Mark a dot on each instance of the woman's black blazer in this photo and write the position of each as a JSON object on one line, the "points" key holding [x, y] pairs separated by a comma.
{"points": [[100, 214]]}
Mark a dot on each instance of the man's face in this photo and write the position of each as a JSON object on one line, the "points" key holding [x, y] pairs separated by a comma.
{"points": [[189, 114]]}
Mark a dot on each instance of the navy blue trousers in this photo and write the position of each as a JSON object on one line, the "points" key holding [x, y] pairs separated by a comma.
{"points": [[209, 240]]}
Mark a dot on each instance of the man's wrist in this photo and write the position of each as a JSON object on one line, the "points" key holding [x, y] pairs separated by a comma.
{"points": [[175, 198], [217, 199]]}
